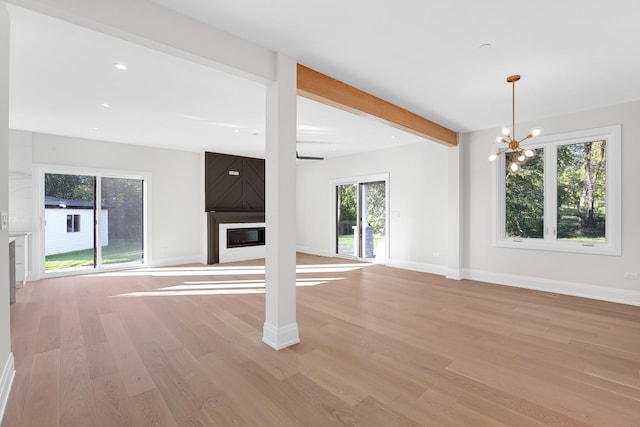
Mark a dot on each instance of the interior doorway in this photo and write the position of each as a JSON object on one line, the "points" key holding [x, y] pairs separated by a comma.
{"points": [[361, 218]]}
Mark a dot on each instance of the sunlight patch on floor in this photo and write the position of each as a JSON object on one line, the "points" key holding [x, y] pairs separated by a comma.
{"points": [[237, 287], [230, 270], [228, 288]]}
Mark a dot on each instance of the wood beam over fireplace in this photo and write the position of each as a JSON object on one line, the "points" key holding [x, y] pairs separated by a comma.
{"points": [[327, 90]]}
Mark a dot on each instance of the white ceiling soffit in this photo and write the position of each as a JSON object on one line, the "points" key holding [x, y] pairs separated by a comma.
{"points": [[448, 60], [62, 74]]}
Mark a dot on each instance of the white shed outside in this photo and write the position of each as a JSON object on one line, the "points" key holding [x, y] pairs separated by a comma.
{"points": [[70, 229]]}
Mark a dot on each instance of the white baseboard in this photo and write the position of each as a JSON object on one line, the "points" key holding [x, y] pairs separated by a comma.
{"points": [[454, 274], [422, 267], [621, 296], [8, 373], [279, 338], [314, 251]]}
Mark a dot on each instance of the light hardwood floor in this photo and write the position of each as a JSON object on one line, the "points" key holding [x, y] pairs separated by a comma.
{"points": [[380, 347]]}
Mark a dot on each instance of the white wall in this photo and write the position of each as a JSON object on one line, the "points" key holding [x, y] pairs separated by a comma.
{"points": [[176, 203], [418, 202], [6, 357], [20, 191], [602, 275]]}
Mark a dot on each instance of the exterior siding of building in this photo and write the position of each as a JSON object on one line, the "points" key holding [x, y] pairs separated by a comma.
{"points": [[58, 240]]}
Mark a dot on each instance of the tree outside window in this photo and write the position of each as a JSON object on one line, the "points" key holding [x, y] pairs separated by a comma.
{"points": [[525, 199], [582, 191]]}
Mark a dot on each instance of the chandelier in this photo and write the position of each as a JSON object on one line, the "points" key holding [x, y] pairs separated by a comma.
{"points": [[518, 154]]}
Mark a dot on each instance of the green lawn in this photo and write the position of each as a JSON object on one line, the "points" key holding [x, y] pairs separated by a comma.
{"points": [[345, 243], [119, 250], [569, 225], [583, 239]]}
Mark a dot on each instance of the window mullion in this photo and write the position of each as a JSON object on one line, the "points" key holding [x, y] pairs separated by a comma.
{"points": [[98, 221], [500, 194], [550, 194]]}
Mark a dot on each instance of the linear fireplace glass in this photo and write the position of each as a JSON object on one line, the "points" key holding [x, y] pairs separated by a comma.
{"points": [[238, 237]]}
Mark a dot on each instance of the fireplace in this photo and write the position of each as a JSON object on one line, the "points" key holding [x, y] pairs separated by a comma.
{"points": [[244, 241], [247, 236], [235, 236]]}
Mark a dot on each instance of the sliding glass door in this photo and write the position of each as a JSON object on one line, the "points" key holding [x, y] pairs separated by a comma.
{"points": [[373, 225], [70, 215], [122, 226], [361, 218], [347, 219], [92, 220]]}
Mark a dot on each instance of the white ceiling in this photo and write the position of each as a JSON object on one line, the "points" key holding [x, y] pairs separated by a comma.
{"points": [[422, 55], [61, 74]]}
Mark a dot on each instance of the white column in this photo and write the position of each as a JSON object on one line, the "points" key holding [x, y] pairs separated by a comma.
{"points": [[280, 327], [456, 231]]}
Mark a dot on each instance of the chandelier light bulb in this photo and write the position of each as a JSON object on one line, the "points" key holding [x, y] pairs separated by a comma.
{"points": [[506, 131], [514, 167], [536, 131], [529, 152], [499, 138], [521, 157], [493, 157]]}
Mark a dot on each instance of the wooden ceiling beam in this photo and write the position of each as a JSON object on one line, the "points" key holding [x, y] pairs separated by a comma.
{"points": [[327, 90]]}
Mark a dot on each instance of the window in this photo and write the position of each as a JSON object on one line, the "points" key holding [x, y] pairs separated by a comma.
{"points": [[73, 223], [567, 198]]}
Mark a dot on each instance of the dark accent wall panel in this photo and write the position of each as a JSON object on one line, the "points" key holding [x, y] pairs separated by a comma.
{"points": [[233, 183]]}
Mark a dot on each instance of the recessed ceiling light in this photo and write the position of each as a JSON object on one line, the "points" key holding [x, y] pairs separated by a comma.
{"points": [[120, 66], [393, 137], [95, 128], [485, 45], [236, 130], [105, 105]]}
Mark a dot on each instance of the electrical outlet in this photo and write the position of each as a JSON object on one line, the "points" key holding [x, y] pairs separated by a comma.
{"points": [[4, 220], [633, 276]]}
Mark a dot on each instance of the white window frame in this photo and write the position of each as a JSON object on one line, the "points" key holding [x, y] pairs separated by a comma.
{"points": [[549, 242]]}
